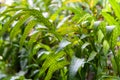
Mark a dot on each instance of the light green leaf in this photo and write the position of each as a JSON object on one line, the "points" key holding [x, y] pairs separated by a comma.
{"points": [[9, 10], [38, 46], [92, 56], [112, 32], [38, 15], [16, 28], [33, 39], [52, 59], [100, 36], [85, 45], [110, 19], [54, 67], [110, 28], [76, 63], [7, 24], [63, 21], [116, 7], [96, 24], [32, 65], [63, 44], [114, 65], [28, 28], [105, 46]]}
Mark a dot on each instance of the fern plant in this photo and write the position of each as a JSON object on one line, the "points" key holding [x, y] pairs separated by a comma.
{"points": [[72, 43], [29, 22]]}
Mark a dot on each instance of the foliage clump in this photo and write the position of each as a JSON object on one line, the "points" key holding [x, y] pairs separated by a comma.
{"points": [[60, 40]]}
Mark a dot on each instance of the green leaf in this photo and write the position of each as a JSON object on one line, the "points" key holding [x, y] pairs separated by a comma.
{"points": [[54, 67], [76, 63], [92, 56], [112, 32], [38, 46], [96, 24], [110, 19], [83, 18], [66, 29], [32, 65], [63, 44], [109, 29], [116, 7], [7, 24], [33, 39], [38, 15], [16, 28], [52, 59], [105, 46], [34, 73], [35, 49], [9, 10], [100, 36], [28, 28], [85, 45], [63, 21], [114, 65], [114, 38]]}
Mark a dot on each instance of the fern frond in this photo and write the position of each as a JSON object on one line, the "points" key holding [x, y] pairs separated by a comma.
{"points": [[28, 28], [9, 10], [14, 32], [33, 39], [54, 67], [53, 58], [38, 15], [7, 24]]}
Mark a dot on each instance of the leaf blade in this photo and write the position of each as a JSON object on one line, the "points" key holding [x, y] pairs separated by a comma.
{"points": [[28, 28]]}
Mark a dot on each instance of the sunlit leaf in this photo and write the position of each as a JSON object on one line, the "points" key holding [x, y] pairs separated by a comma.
{"points": [[54, 67], [92, 56], [100, 36], [63, 44], [16, 28], [116, 7], [85, 45], [63, 21], [114, 64], [110, 19], [105, 46], [7, 24], [52, 59], [28, 28], [110, 28], [33, 39], [76, 63]]}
